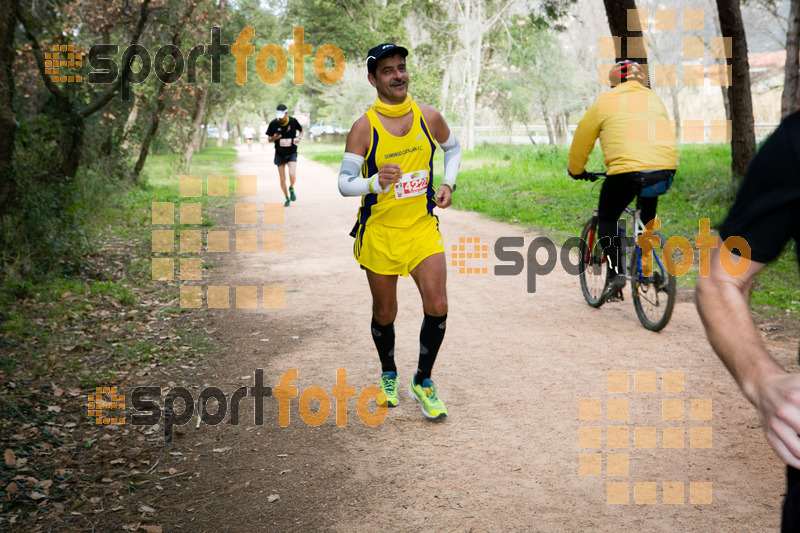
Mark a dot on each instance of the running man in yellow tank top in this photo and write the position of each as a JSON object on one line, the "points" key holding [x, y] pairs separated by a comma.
{"points": [[388, 161]]}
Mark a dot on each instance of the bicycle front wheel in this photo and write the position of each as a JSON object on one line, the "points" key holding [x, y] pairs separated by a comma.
{"points": [[594, 267], [653, 296]]}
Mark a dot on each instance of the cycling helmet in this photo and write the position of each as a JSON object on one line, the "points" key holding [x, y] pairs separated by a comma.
{"points": [[626, 70]]}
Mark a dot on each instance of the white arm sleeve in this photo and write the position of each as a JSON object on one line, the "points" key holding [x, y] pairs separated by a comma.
{"points": [[350, 181], [452, 160]]}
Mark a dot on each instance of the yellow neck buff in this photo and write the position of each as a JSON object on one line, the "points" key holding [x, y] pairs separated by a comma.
{"points": [[393, 110], [285, 120]]}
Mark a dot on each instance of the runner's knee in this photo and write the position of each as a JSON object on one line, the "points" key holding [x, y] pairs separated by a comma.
{"points": [[384, 313], [435, 306]]}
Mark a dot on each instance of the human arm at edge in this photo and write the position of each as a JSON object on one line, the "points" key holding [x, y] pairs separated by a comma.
{"points": [[722, 302]]}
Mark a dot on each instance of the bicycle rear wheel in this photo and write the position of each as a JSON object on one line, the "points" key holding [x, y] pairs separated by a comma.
{"points": [[594, 267], [653, 297]]}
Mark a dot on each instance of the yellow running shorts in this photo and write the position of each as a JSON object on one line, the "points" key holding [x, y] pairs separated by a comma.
{"points": [[397, 251]]}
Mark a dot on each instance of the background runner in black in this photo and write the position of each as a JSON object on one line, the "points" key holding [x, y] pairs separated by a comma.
{"points": [[285, 132]]}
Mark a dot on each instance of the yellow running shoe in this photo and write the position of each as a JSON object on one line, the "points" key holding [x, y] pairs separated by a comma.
{"points": [[389, 389], [425, 394]]}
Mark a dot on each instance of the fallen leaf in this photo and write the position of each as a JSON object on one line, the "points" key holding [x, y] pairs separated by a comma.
{"points": [[54, 408], [273, 498], [221, 450], [11, 459], [151, 529], [146, 509], [37, 496]]}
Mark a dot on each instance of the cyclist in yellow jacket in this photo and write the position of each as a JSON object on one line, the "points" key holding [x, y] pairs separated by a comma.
{"points": [[637, 139]]}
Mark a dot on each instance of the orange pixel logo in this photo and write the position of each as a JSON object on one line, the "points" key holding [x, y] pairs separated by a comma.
{"points": [[53, 62], [668, 433], [469, 248], [193, 241], [97, 403]]}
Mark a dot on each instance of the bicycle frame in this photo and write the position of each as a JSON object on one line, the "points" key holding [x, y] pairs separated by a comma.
{"points": [[639, 229], [653, 295]]}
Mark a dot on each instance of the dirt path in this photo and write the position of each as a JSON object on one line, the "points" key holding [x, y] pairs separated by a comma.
{"points": [[512, 370]]}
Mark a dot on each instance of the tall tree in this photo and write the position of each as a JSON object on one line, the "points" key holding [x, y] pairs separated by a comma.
{"points": [[475, 19], [73, 115], [161, 96], [743, 139], [8, 21], [624, 25], [790, 100]]}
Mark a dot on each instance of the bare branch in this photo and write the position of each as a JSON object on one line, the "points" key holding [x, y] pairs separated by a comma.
{"points": [[39, 56], [105, 98]]}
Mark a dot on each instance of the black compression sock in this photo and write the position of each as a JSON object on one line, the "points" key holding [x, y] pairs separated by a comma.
{"points": [[430, 339], [383, 336]]}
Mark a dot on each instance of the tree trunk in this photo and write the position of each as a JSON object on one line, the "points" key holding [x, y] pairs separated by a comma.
{"points": [[72, 145], [194, 133], [548, 123], [221, 123], [790, 100], [151, 132], [743, 139], [131, 121], [8, 122], [676, 109], [528, 133], [201, 143], [726, 101], [472, 37], [561, 129], [617, 13], [444, 92]]}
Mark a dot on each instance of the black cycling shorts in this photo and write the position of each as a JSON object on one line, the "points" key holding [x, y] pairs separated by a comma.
{"points": [[281, 160]]}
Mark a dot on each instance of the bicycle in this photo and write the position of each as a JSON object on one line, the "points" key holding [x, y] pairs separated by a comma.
{"points": [[653, 296]]}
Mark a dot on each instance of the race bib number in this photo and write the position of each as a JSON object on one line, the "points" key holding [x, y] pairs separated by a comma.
{"points": [[285, 142], [411, 184]]}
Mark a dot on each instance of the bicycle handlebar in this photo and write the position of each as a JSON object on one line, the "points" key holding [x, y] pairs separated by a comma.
{"points": [[591, 176]]}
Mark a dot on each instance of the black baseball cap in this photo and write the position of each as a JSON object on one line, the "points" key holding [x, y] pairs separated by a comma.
{"points": [[378, 52]]}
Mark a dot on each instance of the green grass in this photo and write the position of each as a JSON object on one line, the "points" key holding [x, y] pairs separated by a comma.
{"points": [[529, 186], [327, 153], [163, 180]]}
